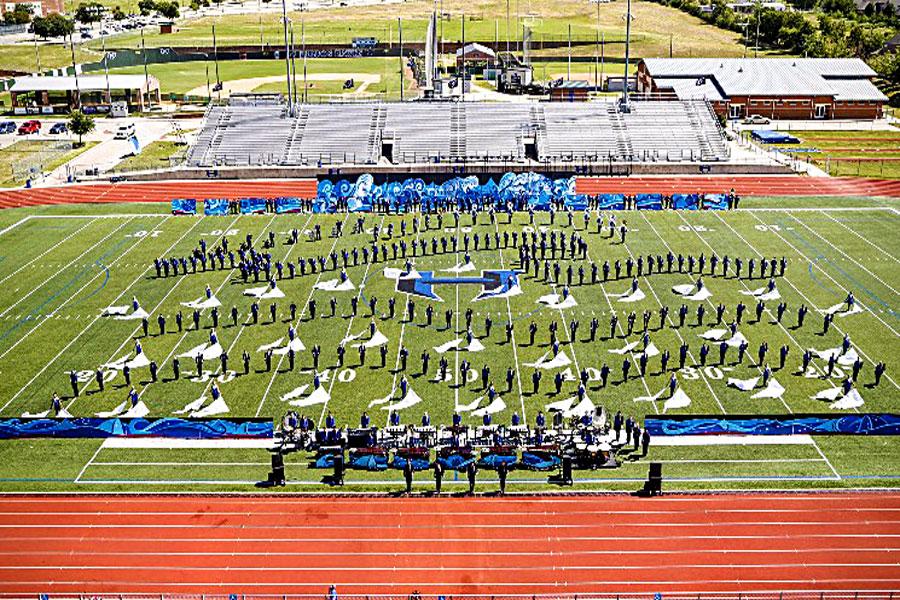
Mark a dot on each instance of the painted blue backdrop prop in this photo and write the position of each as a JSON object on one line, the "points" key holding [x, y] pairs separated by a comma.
{"points": [[215, 207], [523, 190], [90, 427], [253, 206], [184, 206], [287, 205], [856, 424]]}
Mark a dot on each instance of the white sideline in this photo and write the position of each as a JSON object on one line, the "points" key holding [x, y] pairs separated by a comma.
{"points": [[731, 440], [173, 443]]}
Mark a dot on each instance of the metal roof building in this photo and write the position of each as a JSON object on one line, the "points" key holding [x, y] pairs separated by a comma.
{"points": [[774, 87], [62, 93]]}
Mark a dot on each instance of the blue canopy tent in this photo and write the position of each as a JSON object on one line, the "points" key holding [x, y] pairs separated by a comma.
{"points": [[184, 206], [215, 207]]}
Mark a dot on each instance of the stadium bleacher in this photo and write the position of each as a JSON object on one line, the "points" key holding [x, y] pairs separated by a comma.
{"points": [[265, 134]]}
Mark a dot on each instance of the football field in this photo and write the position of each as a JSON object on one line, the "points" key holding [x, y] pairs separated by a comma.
{"points": [[60, 267]]}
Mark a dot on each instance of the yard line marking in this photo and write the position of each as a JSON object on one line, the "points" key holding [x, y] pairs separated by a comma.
{"points": [[296, 324], [701, 371], [187, 330], [155, 308], [834, 324], [509, 315], [88, 463], [863, 238], [359, 291], [403, 322], [860, 265], [44, 253], [16, 224], [96, 317], [61, 270]]}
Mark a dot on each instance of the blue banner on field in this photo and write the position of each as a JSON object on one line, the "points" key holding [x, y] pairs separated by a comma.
{"points": [[519, 190], [91, 427], [648, 201], [184, 206], [715, 202], [685, 201], [253, 206], [215, 207], [287, 205], [856, 424], [611, 202]]}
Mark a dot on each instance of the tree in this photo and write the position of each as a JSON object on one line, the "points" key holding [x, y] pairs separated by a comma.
{"points": [[19, 15], [89, 12], [840, 7], [80, 124], [118, 14], [53, 25], [146, 7], [167, 9]]}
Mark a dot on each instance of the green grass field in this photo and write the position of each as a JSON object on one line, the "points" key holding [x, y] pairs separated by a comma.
{"points": [[42, 156], [60, 269]]}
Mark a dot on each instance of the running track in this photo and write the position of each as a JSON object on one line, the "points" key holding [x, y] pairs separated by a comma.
{"points": [[306, 188], [550, 544]]}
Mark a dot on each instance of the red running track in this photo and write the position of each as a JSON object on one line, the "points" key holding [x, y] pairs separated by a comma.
{"points": [[306, 188], [524, 545]]}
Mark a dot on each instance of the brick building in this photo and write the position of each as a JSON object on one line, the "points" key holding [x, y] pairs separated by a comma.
{"points": [[40, 8], [777, 88]]}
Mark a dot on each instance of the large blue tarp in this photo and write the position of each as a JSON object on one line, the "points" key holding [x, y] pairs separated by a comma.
{"points": [[215, 207], [491, 461], [418, 464], [715, 202], [767, 136], [90, 427], [184, 206], [523, 190], [287, 205], [612, 202], [856, 424], [648, 201], [685, 201], [540, 461], [456, 462], [253, 206], [368, 462]]}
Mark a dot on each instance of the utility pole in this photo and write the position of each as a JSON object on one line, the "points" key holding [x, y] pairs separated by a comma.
{"points": [[287, 57], [625, 106], [106, 69], [569, 62], [400, 39], [463, 81], [507, 26], [293, 70], [146, 73], [75, 68], [215, 61], [305, 95]]}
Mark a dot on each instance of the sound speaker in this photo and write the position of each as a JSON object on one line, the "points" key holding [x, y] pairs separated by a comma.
{"points": [[567, 470], [655, 471], [277, 476]]}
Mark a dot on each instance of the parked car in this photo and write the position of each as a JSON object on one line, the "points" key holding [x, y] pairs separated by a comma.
{"points": [[59, 128], [756, 120], [29, 127], [7, 127], [124, 131]]}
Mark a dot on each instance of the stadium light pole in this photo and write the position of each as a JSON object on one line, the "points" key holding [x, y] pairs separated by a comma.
{"points": [[75, 68], [400, 40], [287, 57], [293, 67], [303, 44], [215, 61], [625, 106]]}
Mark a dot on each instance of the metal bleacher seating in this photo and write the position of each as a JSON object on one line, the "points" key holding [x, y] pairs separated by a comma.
{"points": [[264, 133]]}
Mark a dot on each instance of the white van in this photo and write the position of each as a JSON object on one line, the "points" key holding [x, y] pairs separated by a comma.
{"points": [[125, 131]]}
